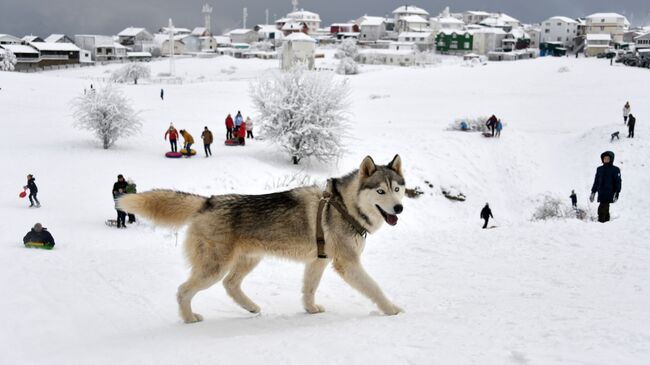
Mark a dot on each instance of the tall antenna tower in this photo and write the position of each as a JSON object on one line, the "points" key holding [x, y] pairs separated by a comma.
{"points": [[207, 12], [266, 12], [245, 16], [295, 5], [171, 47]]}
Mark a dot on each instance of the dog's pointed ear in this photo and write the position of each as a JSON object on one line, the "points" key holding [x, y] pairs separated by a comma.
{"points": [[396, 165], [367, 167]]}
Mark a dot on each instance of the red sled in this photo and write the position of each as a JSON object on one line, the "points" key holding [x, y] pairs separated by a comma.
{"points": [[173, 155]]}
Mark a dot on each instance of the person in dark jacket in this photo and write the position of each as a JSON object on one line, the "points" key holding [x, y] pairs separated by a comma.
{"points": [[492, 123], [607, 184], [631, 121], [207, 141], [486, 213], [39, 235], [119, 184], [33, 190], [162, 94], [574, 199]]}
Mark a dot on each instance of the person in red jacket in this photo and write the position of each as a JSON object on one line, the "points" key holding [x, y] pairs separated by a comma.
{"points": [[173, 136], [241, 133], [230, 124]]}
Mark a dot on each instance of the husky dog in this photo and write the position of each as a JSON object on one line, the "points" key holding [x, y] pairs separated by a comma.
{"points": [[228, 235]]}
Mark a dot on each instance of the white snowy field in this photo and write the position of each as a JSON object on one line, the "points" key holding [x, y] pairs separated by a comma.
{"points": [[553, 292]]}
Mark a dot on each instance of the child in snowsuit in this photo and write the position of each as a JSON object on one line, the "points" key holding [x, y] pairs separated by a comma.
{"points": [[33, 190], [241, 133], [249, 127], [499, 128], [607, 184]]}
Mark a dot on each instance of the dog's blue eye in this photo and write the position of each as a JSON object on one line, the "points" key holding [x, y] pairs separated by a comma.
{"points": [[381, 192], [396, 190]]}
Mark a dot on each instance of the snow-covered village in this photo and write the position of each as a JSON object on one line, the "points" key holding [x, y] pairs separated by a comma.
{"points": [[310, 182]]}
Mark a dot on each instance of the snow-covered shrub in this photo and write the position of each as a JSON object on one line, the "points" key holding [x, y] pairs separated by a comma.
{"points": [[348, 48], [107, 113], [303, 111], [291, 181], [131, 72], [347, 66], [553, 208], [476, 124], [8, 61], [264, 46], [563, 69]]}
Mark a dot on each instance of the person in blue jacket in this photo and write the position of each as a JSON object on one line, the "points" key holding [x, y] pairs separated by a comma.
{"points": [[238, 120], [607, 184]]}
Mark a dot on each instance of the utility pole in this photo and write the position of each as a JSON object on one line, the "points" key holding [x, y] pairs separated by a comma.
{"points": [[245, 16], [171, 47]]}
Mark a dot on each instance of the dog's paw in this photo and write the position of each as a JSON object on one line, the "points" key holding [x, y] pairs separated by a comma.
{"points": [[194, 318], [391, 310], [254, 309], [314, 308]]}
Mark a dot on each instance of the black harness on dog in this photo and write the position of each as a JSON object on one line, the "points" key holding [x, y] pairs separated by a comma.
{"points": [[320, 237]]}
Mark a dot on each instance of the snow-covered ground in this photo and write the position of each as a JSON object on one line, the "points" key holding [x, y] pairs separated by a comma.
{"points": [[569, 291]]}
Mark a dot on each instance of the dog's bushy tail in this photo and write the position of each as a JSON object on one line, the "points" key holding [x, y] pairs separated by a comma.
{"points": [[164, 207]]}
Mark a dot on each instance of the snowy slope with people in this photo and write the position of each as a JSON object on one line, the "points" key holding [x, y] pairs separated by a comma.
{"points": [[525, 292]]}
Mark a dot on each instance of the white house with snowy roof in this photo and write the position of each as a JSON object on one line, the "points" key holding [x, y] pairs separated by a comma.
{"points": [[597, 43], [410, 18], [560, 29], [9, 39], [101, 47], [136, 39], [297, 48], [246, 36], [501, 20], [32, 38], [371, 28], [308, 18], [475, 17], [423, 40], [486, 40], [58, 38], [445, 21], [607, 23]]}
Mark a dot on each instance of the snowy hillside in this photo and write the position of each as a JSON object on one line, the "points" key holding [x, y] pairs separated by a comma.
{"points": [[551, 292]]}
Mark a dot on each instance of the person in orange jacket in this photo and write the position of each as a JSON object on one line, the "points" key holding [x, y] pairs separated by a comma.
{"points": [[188, 142]]}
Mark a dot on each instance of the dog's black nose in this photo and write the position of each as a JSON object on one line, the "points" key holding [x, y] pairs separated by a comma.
{"points": [[398, 208]]}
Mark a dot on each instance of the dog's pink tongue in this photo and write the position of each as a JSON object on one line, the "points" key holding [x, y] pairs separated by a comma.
{"points": [[391, 219]]}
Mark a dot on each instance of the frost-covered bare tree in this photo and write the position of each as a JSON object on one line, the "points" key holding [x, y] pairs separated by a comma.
{"points": [[107, 113], [8, 61], [347, 48], [305, 112], [347, 66], [131, 72]]}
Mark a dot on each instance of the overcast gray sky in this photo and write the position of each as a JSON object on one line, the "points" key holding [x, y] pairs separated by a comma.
{"points": [[42, 17]]}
